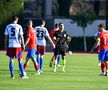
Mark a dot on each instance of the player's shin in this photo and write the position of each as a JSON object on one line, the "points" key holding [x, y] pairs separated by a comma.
{"points": [[21, 68], [11, 67], [64, 63], [107, 68], [55, 65], [38, 61], [58, 60], [41, 63], [25, 66], [103, 67]]}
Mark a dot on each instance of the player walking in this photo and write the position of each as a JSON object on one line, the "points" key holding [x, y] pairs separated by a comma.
{"points": [[14, 36], [62, 39], [31, 42], [103, 54], [52, 32], [42, 33]]}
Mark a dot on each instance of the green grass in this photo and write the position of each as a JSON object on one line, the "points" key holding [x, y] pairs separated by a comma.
{"points": [[82, 72]]}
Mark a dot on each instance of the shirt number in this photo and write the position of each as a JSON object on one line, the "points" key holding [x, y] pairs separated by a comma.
{"points": [[40, 34], [12, 31]]}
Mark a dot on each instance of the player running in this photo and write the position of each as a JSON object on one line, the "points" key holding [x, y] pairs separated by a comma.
{"points": [[31, 42], [62, 39], [14, 36], [42, 33], [103, 54], [59, 56]]}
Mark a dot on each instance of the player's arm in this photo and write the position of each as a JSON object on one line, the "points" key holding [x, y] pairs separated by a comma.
{"points": [[56, 37], [28, 39], [96, 44], [50, 40], [69, 39], [22, 40]]}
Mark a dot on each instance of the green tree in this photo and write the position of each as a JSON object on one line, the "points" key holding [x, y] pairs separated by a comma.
{"points": [[8, 8], [83, 19]]}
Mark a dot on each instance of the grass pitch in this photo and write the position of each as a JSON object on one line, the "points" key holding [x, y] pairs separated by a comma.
{"points": [[82, 72]]}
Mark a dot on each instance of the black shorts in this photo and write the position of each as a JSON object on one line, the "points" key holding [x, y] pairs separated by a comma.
{"points": [[59, 51]]}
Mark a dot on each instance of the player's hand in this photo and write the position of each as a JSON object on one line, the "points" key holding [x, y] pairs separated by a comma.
{"points": [[53, 46], [23, 47], [69, 39]]}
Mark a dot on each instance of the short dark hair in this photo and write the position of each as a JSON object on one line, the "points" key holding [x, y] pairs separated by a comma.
{"points": [[60, 23], [41, 22], [56, 25], [14, 18], [101, 25], [29, 21]]}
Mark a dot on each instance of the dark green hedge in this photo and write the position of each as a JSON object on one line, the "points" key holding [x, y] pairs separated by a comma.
{"points": [[8, 8], [77, 43]]}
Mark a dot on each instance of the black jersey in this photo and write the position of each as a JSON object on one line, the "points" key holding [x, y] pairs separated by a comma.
{"points": [[61, 39]]}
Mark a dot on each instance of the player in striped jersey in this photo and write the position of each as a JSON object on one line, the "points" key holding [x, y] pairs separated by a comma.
{"points": [[14, 36], [42, 33]]}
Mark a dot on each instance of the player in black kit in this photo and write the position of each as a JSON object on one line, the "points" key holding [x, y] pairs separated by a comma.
{"points": [[62, 40]]}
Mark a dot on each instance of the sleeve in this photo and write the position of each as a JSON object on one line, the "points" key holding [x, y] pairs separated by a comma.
{"points": [[6, 31], [96, 34]]}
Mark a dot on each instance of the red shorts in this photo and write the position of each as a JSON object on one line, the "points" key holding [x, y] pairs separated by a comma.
{"points": [[41, 49], [14, 52]]}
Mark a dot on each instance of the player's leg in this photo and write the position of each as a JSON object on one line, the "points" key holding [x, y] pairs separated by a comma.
{"points": [[106, 68], [21, 66], [41, 62], [58, 60], [35, 65], [102, 68], [63, 59], [42, 52], [56, 52], [11, 67], [11, 53], [64, 62], [52, 59], [55, 63], [106, 62], [38, 60], [29, 53], [101, 57], [99, 61], [26, 63], [33, 57], [38, 55]]}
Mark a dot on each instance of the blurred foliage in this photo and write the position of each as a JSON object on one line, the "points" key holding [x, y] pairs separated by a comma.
{"points": [[84, 18], [8, 8]]}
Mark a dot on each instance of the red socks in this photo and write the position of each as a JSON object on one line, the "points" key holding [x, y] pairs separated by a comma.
{"points": [[25, 66], [102, 67], [36, 67]]}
